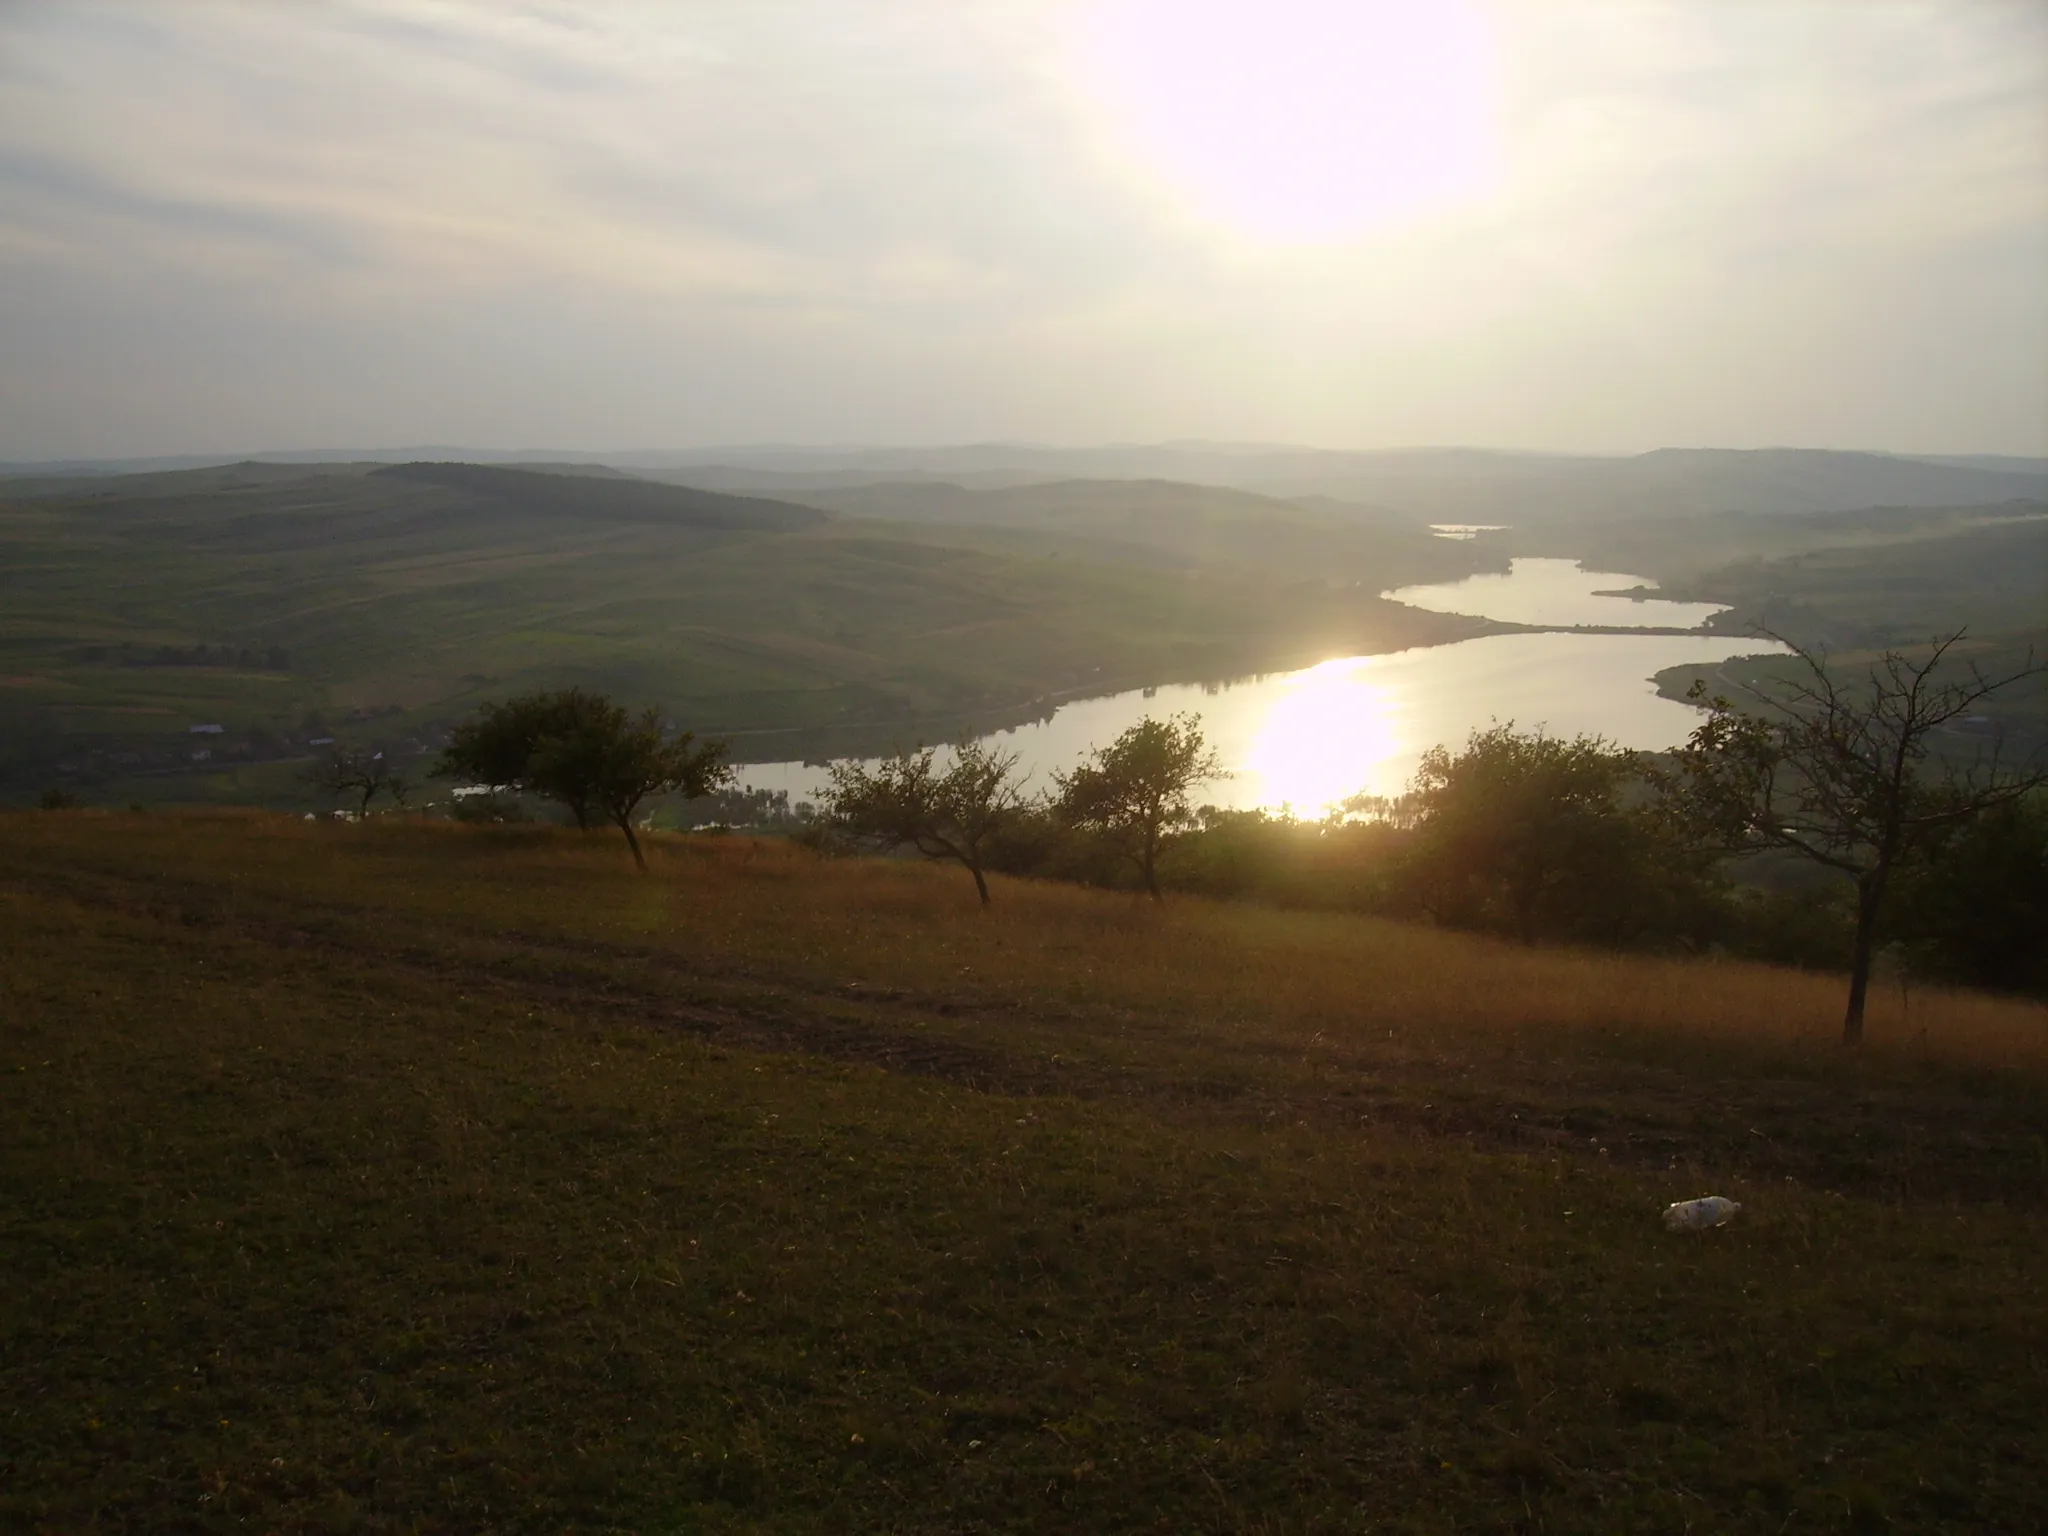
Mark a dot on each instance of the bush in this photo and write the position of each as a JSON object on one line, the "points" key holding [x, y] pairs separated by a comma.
{"points": [[492, 809], [1975, 910]]}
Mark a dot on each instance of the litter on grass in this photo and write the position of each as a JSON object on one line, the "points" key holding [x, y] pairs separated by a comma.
{"points": [[1694, 1215]]}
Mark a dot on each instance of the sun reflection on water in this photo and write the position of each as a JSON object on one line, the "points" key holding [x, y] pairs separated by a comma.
{"points": [[1329, 734]]}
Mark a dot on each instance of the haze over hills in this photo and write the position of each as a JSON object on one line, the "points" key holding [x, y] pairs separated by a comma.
{"points": [[604, 496], [1424, 484], [1165, 522]]}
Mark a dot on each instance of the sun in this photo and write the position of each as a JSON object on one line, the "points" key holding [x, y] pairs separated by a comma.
{"points": [[1330, 734], [1298, 120]]}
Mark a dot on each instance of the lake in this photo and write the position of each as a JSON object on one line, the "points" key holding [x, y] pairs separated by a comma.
{"points": [[1310, 738], [1555, 592]]}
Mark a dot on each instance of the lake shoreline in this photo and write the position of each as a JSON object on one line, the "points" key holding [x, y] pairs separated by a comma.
{"points": [[870, 737], [1357, 720]]}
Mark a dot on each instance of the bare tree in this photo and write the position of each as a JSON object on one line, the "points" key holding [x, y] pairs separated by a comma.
{"points": [[365, 775], [1135, 790], [906, 802], [1843, 773]]}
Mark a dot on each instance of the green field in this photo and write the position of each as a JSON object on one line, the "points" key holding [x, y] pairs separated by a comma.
{"points": [[411, 1177], [396, 603]]}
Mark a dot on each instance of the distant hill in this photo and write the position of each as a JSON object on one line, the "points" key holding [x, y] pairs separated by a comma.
{"points": [[730, 477], [1808, 480], [1195, 526], [1422, 485], [1669, 482], [2005, 463], [1448, 484], [589, 471], [576, 495], [377, 604]]}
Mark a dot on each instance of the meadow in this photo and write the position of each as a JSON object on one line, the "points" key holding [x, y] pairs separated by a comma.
{"points": [[416, 1177]]}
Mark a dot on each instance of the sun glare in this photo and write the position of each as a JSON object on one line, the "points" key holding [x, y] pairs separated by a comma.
{"points": [[1300, 120], [1325, 739]]}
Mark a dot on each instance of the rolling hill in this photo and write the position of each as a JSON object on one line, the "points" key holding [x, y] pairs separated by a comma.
{"points": [[289, 603], [1433, 484], [1421, 484], [1172, 523]]}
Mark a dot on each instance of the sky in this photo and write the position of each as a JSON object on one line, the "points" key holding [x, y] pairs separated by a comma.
{"points": [[1536, 224]]}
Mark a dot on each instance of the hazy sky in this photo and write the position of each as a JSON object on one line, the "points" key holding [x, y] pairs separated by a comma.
{"points": [[1540, 224]]}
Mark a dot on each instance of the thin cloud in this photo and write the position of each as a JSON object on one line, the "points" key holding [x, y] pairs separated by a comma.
{"points": [[668, 224]]}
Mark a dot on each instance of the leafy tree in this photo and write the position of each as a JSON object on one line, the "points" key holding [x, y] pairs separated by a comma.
{"points": [[1526, 830], [585, 752], [1843, 773], [1134, 792], [1976, 908], [339, 771], [497, 747], [906, 802]]}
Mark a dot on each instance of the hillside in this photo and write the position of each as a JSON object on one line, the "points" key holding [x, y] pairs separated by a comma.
{"points": [[1441, 484], [287, 603], [1421, 485], [579, 494], [1853, 584], [1864, 596], [412, 1176], [1172, 523], [1665, 483]]}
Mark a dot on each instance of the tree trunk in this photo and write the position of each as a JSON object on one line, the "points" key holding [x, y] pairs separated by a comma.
{"points": [[980, 885], [632, 842], [1145, 864], [1869, 896]]}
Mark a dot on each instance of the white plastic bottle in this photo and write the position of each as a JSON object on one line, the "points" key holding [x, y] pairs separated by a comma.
{"points": [[1694, 1215]]}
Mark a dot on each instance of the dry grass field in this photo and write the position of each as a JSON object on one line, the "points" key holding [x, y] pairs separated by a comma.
{"points": [[412, 1177]]}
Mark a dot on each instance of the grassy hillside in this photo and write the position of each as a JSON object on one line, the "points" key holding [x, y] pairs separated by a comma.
{"points": [[290, 602], [1857, 584], [1744, 559], [1992, 575], [412, 1177], [1175, 524]]}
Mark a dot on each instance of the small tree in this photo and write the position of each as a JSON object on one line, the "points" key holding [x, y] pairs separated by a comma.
{"points": [[497, 747], [1525, 829], [585, 752], [366, 775], [1843, 773], [906, 802], [610, 764], [1134, 791]]}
